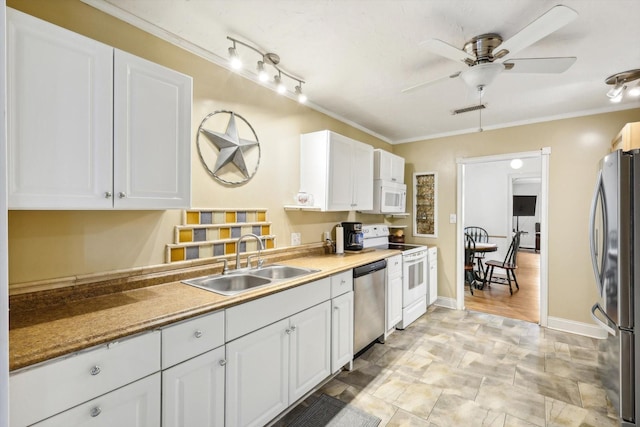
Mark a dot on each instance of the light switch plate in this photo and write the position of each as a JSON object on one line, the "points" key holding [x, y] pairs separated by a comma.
{"points": [[452, 218], [295, 239]]}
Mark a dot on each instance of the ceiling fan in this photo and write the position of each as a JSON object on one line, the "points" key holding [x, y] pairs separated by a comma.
{"points": [[488, 55]]}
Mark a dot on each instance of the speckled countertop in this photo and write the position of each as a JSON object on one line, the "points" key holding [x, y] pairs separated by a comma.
{"points": [[42, 333]]}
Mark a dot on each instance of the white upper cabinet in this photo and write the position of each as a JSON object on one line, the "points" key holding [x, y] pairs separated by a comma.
{"points": [[90, 128], [388, 166], [59, 113], [337, 171], [152, 122]]}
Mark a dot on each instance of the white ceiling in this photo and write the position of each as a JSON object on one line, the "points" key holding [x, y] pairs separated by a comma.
{"points": [[357, 55]]}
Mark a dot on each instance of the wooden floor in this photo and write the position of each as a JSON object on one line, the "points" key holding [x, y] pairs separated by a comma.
{"points": [[523, 304]]}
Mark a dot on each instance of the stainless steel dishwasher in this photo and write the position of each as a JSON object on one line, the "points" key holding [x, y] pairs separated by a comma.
{"points": [[369, 304]]}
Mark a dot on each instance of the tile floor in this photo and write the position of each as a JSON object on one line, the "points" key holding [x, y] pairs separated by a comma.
{"points": [[465, 368]]}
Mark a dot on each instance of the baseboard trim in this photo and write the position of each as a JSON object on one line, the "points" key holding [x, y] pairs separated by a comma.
{"points": [[580, 328], [446, 302]]}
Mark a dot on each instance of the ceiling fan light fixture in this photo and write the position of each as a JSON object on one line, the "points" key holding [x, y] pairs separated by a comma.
{"points": [[481, 75]]}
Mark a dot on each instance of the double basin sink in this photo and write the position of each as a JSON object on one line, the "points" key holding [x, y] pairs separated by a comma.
{"points": [[240, 281]]}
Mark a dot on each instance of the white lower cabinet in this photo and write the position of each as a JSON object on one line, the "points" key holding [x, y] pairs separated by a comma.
{"points": [[394, 291], [193, 392], [341, 331], [134, 405], [432, 257], [269, 369]]}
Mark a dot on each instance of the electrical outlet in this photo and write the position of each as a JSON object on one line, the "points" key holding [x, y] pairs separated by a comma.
{"points": [[295, 239], [327, 235]]}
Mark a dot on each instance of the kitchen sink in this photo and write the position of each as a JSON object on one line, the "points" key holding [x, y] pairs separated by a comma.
{"points": [[231, 284], [281, 272], [247, 279]]}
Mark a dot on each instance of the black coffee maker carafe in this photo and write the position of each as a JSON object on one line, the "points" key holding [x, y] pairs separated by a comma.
{"points": [[353, 237]]}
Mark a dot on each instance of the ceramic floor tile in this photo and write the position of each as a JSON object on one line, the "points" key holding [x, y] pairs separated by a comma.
{"points": [[550, 385], [571, 369], [562, 414], [451, 410], [419, 399], [407, 419], [513, 400], [368, 403], [453, 380]]}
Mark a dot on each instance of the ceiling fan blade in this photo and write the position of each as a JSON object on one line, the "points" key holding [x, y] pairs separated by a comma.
{"points": [[539, 65], [554, 19], [444, 49], [430, 82]]}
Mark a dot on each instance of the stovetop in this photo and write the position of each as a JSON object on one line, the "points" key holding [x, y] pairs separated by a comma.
{"points": [[377, 236]]}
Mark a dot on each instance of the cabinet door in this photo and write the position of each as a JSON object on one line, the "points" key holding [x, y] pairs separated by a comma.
{"points": [[257, 376], [341, 331], [340, 184], [152, 135], [433, 275], [394, 301], [135, 405], [59, 114], [362, 169], [310, 351], [193, 392]]}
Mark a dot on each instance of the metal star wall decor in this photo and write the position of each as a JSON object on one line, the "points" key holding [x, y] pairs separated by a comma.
{"points": [[236, 158]]}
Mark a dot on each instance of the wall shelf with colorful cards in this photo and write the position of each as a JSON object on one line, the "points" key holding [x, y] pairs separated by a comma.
{"points": [[214, 232]]}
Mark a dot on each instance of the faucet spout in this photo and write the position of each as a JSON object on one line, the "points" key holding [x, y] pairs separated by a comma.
{"points": [[260, 249]]}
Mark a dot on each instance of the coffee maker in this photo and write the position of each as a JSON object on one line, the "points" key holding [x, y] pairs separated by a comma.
{"points": [[353, 237]]}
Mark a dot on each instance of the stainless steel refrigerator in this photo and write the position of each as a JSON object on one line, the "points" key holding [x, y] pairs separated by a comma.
{"points": [[615, 252]]}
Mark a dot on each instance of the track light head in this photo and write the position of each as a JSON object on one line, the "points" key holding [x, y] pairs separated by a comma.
{"points": [[302, 98], [234, 58], [263, 76]]}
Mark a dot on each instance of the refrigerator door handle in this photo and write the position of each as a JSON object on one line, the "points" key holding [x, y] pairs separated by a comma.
{"points": [[593, 243], [605, 326]]}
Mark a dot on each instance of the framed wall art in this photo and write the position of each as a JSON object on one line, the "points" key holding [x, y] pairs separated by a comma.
{"points": [[425, 204]]}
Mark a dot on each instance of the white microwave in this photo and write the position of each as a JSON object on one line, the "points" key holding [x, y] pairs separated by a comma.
{"points": [[388, 197]]}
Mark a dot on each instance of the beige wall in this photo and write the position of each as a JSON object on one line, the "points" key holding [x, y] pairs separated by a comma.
{"points": [[576, 147], [52, 244]]}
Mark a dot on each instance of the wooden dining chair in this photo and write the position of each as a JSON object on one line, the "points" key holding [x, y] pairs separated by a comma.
{"points": [[509, 265], [480, 235], [469, 261]]}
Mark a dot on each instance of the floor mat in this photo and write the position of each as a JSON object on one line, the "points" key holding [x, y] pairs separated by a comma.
{"points": [[329, 411]]}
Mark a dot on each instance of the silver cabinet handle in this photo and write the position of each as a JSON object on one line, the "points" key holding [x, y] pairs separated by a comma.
{"points": [[197, 334], [95, 411], [108, 194], [122, 195], [336, 308], [288, 331], [293, 328], [222, 362], [95, 370]]}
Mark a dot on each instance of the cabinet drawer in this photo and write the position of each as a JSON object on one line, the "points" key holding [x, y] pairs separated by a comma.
{"points": [[191, 338], [341, 283], [255, 314], [136, 405], [52, 387], [394, 266]]}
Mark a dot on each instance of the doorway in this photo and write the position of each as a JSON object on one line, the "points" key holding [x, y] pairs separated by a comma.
{"points": [[486, 186]]}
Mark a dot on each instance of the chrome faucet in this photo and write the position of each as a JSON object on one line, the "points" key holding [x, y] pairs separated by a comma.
{"points": [[260, 249]]}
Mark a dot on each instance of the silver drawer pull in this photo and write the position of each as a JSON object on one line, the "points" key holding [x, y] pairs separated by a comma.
{"points": [[122, 195], [336, 308], [95, 370], [197, 334], [107, 194], [95, 411], [293, 328], [222, 362], [288, 331]]}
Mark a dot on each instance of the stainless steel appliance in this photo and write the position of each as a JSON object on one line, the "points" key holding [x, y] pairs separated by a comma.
{"points": [[352, 236], [368, 304], [615, 252], [414, 271]]}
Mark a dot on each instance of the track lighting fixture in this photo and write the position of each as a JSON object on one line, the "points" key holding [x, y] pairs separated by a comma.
{"points": [[619, 82], [272, 60]]}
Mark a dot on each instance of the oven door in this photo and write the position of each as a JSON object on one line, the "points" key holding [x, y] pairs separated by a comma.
{"points": [[414, 278]]}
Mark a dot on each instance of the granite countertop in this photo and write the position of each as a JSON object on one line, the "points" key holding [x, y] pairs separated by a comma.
{"points": [[37, 335]]}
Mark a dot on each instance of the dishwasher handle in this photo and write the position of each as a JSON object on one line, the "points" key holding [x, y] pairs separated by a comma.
{"points": [[369, 268]]}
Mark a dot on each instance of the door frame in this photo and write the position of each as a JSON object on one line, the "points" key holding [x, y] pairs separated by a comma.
{"points": [[543, 154]]}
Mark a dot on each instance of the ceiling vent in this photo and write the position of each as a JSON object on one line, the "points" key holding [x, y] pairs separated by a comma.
{"points": [[469, 109]]}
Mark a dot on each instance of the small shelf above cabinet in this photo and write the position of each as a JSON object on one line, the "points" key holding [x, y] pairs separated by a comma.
{"points": [[302, 208]]}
